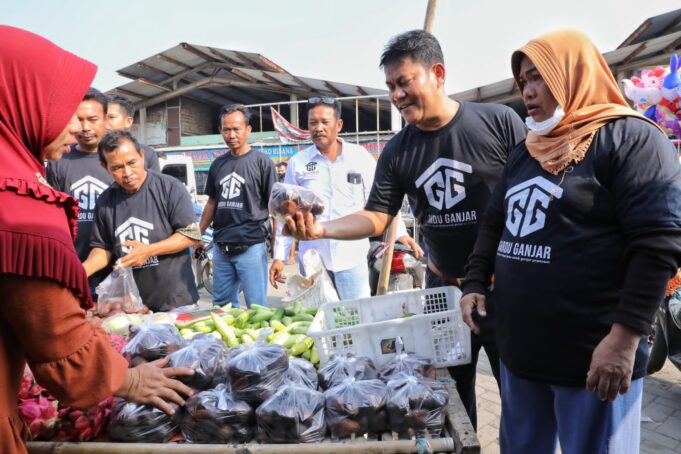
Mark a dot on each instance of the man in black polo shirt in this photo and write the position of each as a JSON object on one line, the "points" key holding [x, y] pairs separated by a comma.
{"points": [[147, 220], [447, 160], [80, 174], [120, 114], [238, 187]]}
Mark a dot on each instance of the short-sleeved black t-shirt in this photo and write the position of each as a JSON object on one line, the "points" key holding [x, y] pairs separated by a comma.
{"points": [[150, 158], [241, 188], [160, 208], [448, 176], [81, 175]]}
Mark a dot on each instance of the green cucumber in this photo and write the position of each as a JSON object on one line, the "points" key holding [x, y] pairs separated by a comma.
{"points": [[314, 355], [278, 314], [302, 318], [294, 339]]}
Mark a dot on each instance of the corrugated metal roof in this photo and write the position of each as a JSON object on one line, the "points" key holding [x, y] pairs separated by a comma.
{"points": [[220, 76], [655, 26], [655, 51]]}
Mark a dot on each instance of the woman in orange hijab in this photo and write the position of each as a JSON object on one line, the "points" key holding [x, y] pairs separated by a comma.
{"points": [[582, 234], [43, 286]]}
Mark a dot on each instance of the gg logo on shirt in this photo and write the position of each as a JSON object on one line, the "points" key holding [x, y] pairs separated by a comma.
{"points": [[231, 185], [439, 181], [133, 229], [87, 190], [136, 230], [526, 204]]}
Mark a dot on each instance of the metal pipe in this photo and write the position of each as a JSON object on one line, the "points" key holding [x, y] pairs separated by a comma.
{"points": [[378, 122], [357, 121]]}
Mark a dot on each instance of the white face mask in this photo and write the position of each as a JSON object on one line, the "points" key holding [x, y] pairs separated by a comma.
{"points": [[544, 127]]}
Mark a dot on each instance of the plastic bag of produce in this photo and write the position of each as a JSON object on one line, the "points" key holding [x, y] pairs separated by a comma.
{"points": [[294, 414], [134, 423], [150, 341], [345, 366], [416, 405], [286, 199], [257, 370], [208, 357], [302, 372], [411, 363], [118, 293], [215, 416], [356, 407], [120, 323]]}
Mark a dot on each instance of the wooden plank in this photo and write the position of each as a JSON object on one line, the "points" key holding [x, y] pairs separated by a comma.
{"points": [[366, 447], [457, 421]]}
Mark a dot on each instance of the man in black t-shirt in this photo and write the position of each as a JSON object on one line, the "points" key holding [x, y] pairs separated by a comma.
{"points": [[80, 174], [238, 189], [120, 114], [447, 160], [145, 219]]}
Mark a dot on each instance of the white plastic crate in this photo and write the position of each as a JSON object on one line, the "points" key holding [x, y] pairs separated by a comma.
{"points": [[370, 326]]}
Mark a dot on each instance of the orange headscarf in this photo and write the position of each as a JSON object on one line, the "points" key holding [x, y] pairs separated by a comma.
{"points": [[580, 80]]}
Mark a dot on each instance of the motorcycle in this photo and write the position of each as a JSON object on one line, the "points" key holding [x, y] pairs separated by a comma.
{"points": [[202, 262], [666, 342], [406, 272], [202, 256]]}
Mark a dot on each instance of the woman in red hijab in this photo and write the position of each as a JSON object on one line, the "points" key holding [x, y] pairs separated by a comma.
{"points": [[43, 286]]}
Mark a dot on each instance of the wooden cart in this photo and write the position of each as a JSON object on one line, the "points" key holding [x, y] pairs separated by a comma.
{"points": [[459, 437]]}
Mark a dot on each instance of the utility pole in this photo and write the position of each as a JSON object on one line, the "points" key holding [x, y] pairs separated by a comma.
{"points": [[430, 15]]}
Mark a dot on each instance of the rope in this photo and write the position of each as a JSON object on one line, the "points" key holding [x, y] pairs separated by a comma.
{"points": [[423, 446]]}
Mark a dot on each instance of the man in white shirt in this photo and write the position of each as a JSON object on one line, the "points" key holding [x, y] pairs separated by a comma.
{"points": [[341, 173]]}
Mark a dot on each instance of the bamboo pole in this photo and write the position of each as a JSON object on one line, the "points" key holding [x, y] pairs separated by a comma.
{"points": [[384, 277], [445, 444], [430, 16]]}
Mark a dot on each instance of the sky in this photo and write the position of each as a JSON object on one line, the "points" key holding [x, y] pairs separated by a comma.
{"points": [[336, 40]]}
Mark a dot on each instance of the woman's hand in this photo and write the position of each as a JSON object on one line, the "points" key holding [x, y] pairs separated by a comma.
{"points": [[151, 383]]}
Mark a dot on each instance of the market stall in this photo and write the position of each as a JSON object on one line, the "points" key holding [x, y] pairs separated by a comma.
{"points": [[343, 377]]}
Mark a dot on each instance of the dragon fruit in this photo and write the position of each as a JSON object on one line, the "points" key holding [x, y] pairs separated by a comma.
{"points": [[47, 419], [83, 425], [117, 342], [40, 415]]}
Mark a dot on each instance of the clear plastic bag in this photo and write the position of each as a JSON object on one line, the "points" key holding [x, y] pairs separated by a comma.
{"points": [[416, 405], [119, 293], [215, 416], [294, 414], [302, 372], [315, 289], [356, 407], [345, 366], [257, 370], [411, 363], [208, 357], [135, 423], [286, 199], [151, 341], [120, 323]]}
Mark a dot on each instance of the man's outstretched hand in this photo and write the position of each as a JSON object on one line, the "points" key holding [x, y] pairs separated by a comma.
{"points": [[303, 226]]}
